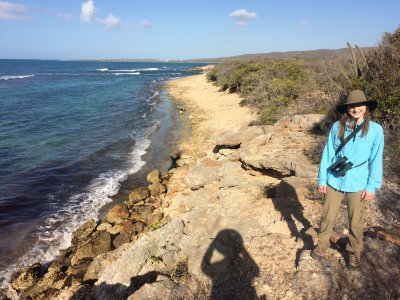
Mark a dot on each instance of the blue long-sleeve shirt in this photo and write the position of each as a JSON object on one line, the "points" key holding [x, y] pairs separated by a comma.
{"points": [[368, 149]]}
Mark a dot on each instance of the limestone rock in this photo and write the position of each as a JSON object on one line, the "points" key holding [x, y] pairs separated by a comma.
{"points": [[233, 139], [128, 226], [140, 213], [153, 176], [84, 231], [46, 282], [228, 139], [230, 154], [75, 291], [104, 226], [78, 270], [176, 182], [155, 217], [99, 244], [231, 180], [138, 194], [140, 203], [257, 154], [279, 154], [114, 230], [126, 231], [121, 239], [200, 176], [161, 290], [156, 189], [118, 214], [185, 161], [166, 175], [112, 267], [62, 281], [26, 278]]}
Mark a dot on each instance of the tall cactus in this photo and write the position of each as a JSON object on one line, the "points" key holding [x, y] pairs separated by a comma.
{"points": [[364, 59], [357, 67]]}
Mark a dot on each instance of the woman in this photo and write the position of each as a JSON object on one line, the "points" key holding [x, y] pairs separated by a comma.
{"points": [[350, 170]]}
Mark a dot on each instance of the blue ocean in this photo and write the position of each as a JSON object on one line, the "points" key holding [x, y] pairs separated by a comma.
{"points": [[72, 134]]}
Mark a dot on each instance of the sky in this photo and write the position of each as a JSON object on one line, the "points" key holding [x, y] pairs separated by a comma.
{"points": [[184, 29]]}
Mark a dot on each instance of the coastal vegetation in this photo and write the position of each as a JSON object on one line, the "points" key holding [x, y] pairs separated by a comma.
{"points": [[275, 87]]}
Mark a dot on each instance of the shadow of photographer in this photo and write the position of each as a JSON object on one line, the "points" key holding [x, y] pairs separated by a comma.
{"points": [[230, 267]]}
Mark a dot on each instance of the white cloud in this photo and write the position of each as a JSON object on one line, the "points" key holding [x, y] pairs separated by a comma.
{"points": [[65, 17], [112, 22], [12, 11], [87, 11], [304, 22], [146, 24], [242, 16]]}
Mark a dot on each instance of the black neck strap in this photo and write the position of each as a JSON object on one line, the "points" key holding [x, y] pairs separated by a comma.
{"points": [[355, 131]]}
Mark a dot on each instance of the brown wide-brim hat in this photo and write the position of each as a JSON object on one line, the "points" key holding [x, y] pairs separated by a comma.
{"points": [[357, 97]]}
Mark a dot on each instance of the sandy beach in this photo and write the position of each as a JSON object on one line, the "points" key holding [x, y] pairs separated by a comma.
{"points": [[211, 112]]}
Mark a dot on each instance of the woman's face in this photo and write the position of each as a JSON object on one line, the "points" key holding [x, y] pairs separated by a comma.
{"points": [[356, 111]]}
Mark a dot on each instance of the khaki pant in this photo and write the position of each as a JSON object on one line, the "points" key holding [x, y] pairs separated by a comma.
{"points": [[356, 213]]}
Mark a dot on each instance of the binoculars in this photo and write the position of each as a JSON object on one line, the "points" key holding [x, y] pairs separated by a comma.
{"points": [[340, 167]]}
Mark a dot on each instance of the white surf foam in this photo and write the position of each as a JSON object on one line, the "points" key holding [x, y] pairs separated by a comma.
{"points": [[128, 70], [149, 69], [134, 70], [10, 77], [133, 73], [156, 93], [125, 70]]}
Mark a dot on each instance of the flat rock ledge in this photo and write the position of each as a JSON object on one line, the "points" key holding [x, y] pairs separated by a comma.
{"points": [[236, 222]]}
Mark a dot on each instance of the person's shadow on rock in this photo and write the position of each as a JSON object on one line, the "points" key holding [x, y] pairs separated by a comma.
{"points": [[230, 267], [288, 204]]}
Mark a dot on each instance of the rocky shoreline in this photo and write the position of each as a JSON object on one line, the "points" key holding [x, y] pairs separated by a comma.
{"points": [[124, 223], [236, 219]]}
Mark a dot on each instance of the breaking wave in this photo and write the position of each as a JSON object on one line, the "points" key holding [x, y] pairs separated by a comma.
{"points": [[10, 77]]}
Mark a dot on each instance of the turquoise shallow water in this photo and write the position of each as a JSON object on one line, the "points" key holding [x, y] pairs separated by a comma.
{"points": [[70, 134]]}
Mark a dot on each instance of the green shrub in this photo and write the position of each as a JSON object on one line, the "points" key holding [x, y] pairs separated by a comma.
{"points": [[268, 115], [383, 85], [269, 86], [383, 80]]}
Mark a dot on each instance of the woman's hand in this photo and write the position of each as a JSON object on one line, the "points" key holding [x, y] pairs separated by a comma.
{"points": [[322, 188], [366, 196]]}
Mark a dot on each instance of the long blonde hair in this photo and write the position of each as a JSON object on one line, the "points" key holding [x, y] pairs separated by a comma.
{"points": [[346, 118]]}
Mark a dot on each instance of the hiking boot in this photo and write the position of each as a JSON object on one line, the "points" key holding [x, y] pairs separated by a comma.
{"points": [[318, 253], [354, 260]]}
